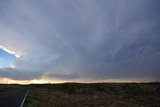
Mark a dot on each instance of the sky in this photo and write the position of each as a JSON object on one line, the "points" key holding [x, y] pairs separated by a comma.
{"points": [[79, 41], [6, 58]]}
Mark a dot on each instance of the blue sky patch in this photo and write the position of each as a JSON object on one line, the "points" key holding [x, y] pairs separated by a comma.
{"points": [[6, 58]]}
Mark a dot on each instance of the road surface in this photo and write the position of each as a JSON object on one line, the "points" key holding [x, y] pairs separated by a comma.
{"points": [[13, 98]]}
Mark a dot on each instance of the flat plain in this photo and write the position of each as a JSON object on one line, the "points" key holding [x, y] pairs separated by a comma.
{"points": [[94, 95]]}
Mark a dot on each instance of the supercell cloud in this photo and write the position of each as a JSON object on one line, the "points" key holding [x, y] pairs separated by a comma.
{"points": [[81, 39]]}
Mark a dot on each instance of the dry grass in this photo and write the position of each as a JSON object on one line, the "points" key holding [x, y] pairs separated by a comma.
{"points": [[9, 87], [94, 95]]}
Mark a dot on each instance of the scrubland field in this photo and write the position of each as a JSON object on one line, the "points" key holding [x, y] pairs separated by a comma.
{"points": [[94, 95], [9, 87]]}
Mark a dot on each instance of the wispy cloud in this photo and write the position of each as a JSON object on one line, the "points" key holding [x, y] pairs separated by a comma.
{"points": [[9, 51], [81, 39]]}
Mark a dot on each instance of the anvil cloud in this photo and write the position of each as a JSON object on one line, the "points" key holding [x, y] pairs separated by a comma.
{"points": [[81, 39]]}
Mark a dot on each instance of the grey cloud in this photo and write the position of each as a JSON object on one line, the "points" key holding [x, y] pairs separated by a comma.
{"points": [[17, 74], [89, 39], [64, 76]]}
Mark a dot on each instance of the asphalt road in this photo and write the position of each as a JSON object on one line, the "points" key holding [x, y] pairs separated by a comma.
{"points": [[12, 98]]}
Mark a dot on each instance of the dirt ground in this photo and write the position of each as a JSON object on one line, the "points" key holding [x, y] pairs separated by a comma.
{"points": [[94, 95]]}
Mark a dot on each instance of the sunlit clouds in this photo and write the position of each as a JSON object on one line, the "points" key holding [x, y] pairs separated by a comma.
{"points": [[9, 51]]}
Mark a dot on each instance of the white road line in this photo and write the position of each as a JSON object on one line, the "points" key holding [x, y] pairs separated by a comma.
{"points": [[24, 99]]}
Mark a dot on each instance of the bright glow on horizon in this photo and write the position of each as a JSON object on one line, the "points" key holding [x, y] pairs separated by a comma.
{"points": [[49, 80]]}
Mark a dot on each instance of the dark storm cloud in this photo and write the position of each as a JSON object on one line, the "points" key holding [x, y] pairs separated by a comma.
{"points": [[82, 39], [16, 74]]}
